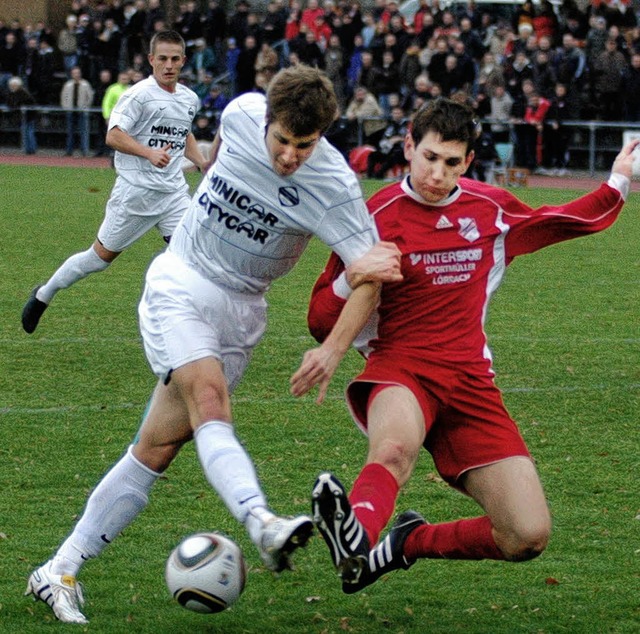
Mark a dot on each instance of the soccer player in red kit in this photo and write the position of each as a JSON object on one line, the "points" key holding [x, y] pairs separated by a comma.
{"points": [[428, 379]]}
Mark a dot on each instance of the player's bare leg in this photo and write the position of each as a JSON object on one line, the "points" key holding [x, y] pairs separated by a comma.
{"points": [[516, 527], [202, 387], [511, 494]]}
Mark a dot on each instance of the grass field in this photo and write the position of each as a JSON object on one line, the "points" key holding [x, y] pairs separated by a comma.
{"points": [[564, 329]]}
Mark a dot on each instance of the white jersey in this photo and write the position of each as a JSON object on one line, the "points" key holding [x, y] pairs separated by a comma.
{"points": [[247, 225], [158, 119]]}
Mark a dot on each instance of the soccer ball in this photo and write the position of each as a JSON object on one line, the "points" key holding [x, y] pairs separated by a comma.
{"points": [[206, 572]]}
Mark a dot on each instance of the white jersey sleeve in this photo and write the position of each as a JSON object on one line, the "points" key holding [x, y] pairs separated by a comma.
{"points": [[158, 119], [247, 225]]}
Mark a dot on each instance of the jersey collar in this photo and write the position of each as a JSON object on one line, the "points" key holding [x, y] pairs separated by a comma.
{"points": [[407, 189]]}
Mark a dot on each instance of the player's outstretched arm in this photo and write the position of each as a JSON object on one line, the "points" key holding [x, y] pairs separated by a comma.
{"points": [[380, 264], [319, 364]]}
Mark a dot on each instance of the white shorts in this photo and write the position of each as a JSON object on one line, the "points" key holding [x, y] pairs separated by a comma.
{"points": [[185, 317], [132, 211]]}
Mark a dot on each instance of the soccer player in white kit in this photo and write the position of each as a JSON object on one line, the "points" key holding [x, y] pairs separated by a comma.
{"points": [[150, 130], [275, 183]]}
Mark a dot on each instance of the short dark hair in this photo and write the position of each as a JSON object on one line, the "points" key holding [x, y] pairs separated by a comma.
{"points": [[302, 100], [453, 121], [169, 37]]}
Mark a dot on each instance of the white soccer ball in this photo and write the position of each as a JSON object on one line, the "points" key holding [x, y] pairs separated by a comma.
{"points": [[206, 572]]}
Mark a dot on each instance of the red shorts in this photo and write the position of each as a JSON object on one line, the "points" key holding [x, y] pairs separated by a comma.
{"points": [[466, 421]]}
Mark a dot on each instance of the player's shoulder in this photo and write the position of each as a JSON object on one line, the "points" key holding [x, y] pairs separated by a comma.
{"points": [[328, 158], [385, 206], [141, 87], [141, 93], [486, 191], [185, 91], [384, 197], [327, 170], [474, 186], [250, 106]]}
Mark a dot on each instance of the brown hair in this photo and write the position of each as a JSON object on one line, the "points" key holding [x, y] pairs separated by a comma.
{"points": [[301, 99], [169, 37], [452, 120]]}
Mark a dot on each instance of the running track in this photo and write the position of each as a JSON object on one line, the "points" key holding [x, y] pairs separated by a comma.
{"points": [[53, 159]]}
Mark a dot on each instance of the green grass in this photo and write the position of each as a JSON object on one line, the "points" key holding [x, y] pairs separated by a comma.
{"points": [[564, 331]]}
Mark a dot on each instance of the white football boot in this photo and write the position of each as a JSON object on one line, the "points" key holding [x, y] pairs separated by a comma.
{"points": [[62, 593], [280, 537]]}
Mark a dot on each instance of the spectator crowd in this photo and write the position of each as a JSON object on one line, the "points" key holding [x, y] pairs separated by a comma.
{"points": [[526, 67]]}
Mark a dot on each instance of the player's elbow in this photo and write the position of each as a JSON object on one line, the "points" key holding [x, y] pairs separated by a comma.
{"points": [[111, 138]]}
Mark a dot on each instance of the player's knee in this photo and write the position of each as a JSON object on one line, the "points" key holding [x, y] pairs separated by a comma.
{"points": [[397, 457], [527, 542], [211, 401]]}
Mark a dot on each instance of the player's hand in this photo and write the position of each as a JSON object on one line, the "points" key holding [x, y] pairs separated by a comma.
{"points": [[317, 367], [159, 158], [379, 264], [623, 163]]}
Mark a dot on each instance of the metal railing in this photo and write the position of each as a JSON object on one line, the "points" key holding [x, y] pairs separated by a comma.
{"points": [[50, 124], [592, 144]]}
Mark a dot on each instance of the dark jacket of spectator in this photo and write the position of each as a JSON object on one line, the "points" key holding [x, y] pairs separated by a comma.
{"points": [[238, 21], [215, 23], [544, 75], [12, 55], [386, 78], [310, 53], [472, 42], [43, 84], [189, 23], [246, 66], [273, 24], [631, 89], [516, 72], [409, 67]]}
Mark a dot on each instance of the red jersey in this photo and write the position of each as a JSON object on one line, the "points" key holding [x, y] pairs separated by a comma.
{"points": [[454, 256]]}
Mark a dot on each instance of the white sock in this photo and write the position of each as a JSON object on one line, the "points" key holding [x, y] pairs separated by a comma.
{"points": [[73, 269], [117, 500], [230, 471]]}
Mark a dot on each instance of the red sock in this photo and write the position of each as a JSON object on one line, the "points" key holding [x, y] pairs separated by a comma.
{"points": [[373, 499], [464, 539]]}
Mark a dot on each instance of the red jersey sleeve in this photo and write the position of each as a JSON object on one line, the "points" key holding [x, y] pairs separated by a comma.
{"points": [[325, 306], [532, 229]]}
